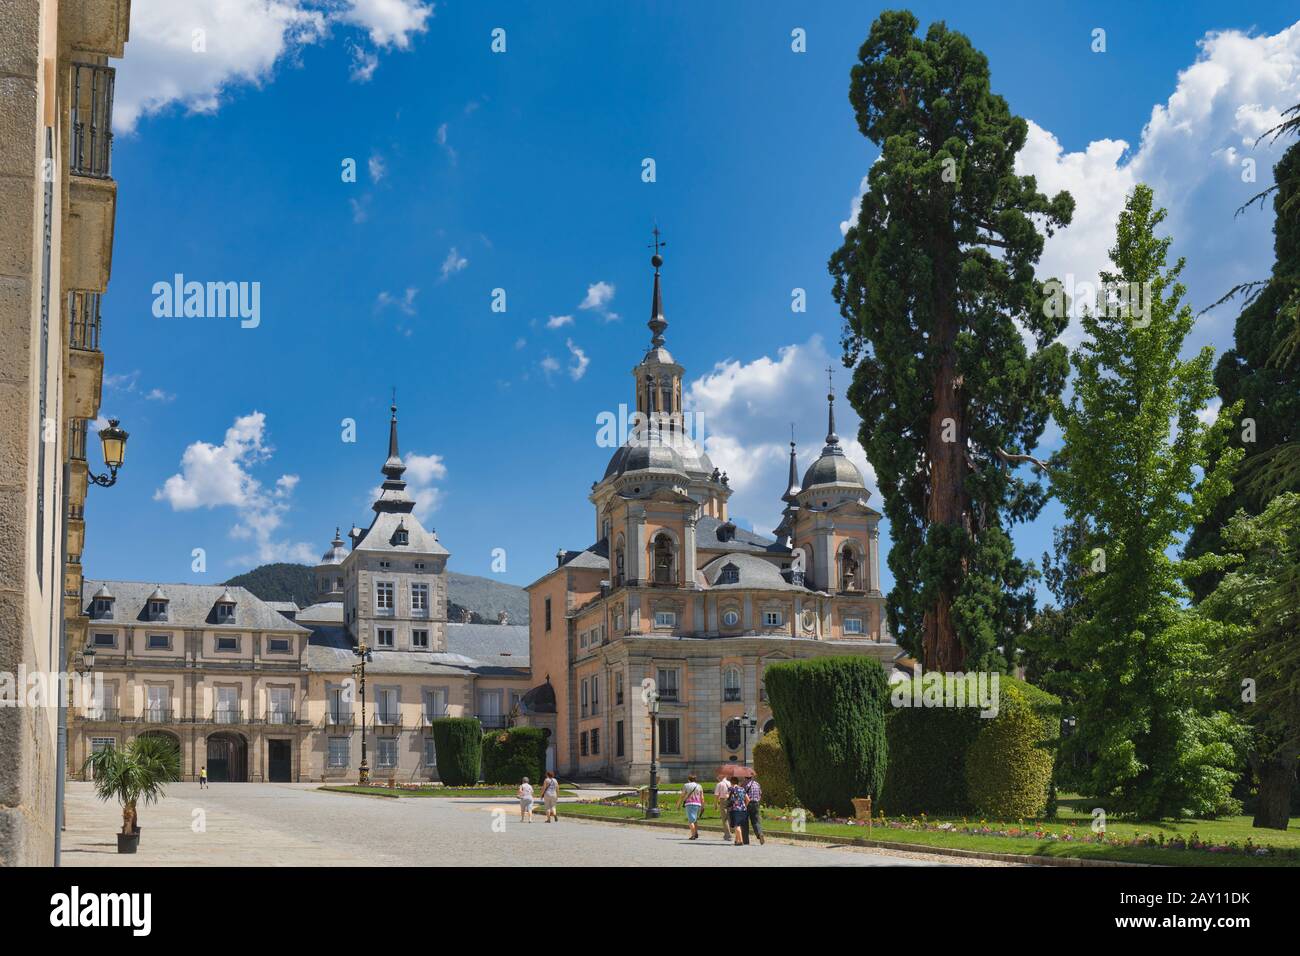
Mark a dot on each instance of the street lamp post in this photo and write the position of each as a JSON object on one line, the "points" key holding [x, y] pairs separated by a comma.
{"points": [[112, 442], [652, 803], [748, 725], [362, 650]]}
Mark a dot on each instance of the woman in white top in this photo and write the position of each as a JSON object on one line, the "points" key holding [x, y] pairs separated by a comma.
{"points": [[550, 794], [526, 801]]}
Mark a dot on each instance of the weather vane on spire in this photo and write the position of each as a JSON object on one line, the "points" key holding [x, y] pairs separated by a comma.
{"points": [[658, 243], [830, 381]]}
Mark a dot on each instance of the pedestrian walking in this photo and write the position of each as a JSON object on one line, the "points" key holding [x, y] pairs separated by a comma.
{"points": [[203, 778], [525, 802], [692, 797], [738, 812], [753, 805], [550, 796], [720, 793]]}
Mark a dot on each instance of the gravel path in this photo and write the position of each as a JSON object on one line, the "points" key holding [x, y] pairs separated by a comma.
{"points": [[298, 825]]}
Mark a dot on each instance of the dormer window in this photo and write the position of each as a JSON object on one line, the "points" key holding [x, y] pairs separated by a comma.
{"points": [[225, 613], [730, 575], [401, 537], [157, 610], [727, 532], [102, 608]]}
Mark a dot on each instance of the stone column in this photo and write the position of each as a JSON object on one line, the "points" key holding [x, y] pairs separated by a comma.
{"points": [[873, 543]]}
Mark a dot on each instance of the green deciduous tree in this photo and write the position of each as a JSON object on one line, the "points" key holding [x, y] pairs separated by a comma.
{"points": [[936, 282], [1259, 602], [1136, 466]]}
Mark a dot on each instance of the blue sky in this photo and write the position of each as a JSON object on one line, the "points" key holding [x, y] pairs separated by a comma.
{"points": [[522, 171]]}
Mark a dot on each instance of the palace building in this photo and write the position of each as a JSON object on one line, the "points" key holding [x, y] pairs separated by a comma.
{"points": [[672, 597], [255, 691]]}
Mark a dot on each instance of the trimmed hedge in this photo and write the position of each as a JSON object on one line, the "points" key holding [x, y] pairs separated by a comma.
{"points": [[930, 764], [773, 771], [458, 742], [510, 755], [927, 760], [1008, 770], [831, 711]]}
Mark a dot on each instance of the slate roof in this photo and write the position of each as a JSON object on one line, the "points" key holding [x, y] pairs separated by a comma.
{"points": [[595, 556], [476, 648], [379, 536], [753, 572], [706, 536], [188, 605]]}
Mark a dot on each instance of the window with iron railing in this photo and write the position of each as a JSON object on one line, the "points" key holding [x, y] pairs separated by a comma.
{"points": [[84, 313], [92, 120], [77, 439]]}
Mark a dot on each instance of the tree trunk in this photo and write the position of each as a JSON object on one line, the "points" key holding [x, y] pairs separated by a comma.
{"points": [[941, 649], [1276, 776]]}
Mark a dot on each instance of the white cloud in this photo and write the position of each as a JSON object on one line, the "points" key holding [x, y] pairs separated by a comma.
{"points": [[377, 167], [599, 295], [442, 141], [550, 366], [580, 360], [388, 22], [405, 303], [559, 321], [747, 408], [192, 52], [158, 395], [453, 264], [1190, 152], [214, 476]]}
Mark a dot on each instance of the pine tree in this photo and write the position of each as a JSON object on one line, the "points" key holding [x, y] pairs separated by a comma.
{"points": [[936, 282], [1131, 466], [1264, 375]]}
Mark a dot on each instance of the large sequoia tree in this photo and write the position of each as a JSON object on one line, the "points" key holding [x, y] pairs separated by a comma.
{"points": [[937, 283]]}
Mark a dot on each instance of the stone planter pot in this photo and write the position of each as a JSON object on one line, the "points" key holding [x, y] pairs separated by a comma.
{"points": [[862, 808], [128, 842]]}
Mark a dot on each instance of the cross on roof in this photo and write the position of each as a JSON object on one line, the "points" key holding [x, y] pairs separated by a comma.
{"points": [[658, 242]]}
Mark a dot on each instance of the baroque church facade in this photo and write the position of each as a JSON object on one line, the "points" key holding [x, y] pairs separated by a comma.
{"points": [[674, 599]]}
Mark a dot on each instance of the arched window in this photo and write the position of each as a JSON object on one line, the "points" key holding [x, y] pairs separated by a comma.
{"points": [[732, 734], [850, 570], [731, 683], [620, 563], [665, 571], [666, 396]]}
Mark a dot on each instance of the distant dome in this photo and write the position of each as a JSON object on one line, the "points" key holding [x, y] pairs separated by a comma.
{"points": [[640, 455], [832, 468], [336, 553]]}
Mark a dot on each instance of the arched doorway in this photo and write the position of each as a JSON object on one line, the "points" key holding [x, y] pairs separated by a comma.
{"points": [[227, 758]]}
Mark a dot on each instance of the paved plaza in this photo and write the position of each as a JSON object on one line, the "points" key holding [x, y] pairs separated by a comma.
{"points": [[300, 825]]}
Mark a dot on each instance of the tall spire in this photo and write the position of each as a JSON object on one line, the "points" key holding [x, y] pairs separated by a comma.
{"points": [[831, 437], [792, 487], [657, 321], [393, 495]]}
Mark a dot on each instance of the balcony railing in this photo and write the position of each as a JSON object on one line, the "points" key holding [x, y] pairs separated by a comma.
{"points": [[281, 717], [104, 714], [494, 721], [84, 310], [339, 719], [92, 120], [227, 715], [386, 720], [156, 715]]}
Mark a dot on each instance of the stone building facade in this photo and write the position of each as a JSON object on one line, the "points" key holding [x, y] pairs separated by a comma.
{"points": [[674, 598], [255, 692], [58, 201]]}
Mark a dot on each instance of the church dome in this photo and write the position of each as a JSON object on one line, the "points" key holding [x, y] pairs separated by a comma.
{"points": [[336, 553], [832, 468], [640, 455]]}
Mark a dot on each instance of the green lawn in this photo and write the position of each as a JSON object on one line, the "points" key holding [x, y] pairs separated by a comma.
{"points": [[1069, 829], [434, 791]]}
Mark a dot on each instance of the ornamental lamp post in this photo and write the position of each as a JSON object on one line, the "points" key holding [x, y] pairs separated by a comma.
{"points": [[112, 442], [88, 659], [364, 655], [652, 803], [748, 725]]}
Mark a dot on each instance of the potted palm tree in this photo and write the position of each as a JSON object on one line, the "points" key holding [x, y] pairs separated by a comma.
{"points": [[139, 771]]}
